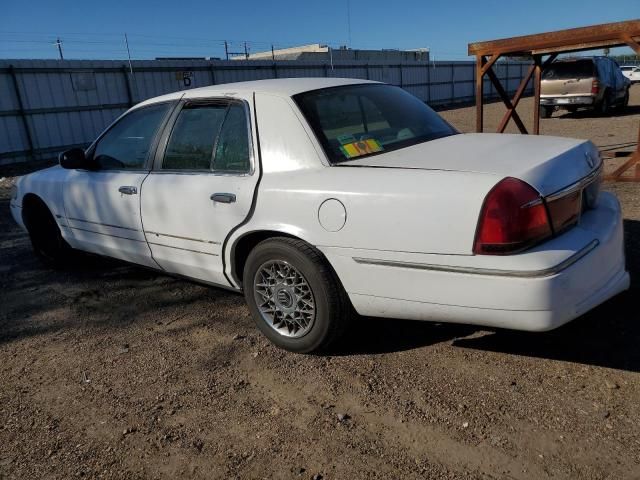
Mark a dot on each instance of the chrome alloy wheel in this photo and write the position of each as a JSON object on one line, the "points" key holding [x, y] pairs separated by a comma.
{"points": [[284, 298]]}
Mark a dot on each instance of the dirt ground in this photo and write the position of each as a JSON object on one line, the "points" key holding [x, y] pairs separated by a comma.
{"points": [[112, 371]]}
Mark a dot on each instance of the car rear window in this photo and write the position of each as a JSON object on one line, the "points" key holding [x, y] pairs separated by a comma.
{"points": [[355, 121], [566, 70]]}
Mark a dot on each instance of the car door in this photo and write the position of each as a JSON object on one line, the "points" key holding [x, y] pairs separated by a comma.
{"points": [[102, 205], [201, 187]]}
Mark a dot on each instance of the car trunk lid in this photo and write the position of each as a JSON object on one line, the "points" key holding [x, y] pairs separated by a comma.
{"points": [[549, 164]]}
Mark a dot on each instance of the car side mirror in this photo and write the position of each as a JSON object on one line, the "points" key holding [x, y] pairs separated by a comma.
{"points": [[73, 158]]}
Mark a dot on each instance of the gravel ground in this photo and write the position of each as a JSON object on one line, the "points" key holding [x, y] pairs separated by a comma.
{"points": [[112, 371]]}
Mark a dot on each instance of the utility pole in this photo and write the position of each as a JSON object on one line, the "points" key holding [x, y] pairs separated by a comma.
{"points": [[273, 54], [126, 42], [226, 49], [246, 53], [59, 44], [133, 75], [349, 21]]}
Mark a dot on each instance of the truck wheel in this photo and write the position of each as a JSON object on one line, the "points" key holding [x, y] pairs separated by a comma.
{"points": [[603, 108], [294, 296], [546, 112], [45, 236], [625, 101]]}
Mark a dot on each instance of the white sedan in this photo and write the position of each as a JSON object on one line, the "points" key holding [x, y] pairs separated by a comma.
{"points": [[321, 197]]}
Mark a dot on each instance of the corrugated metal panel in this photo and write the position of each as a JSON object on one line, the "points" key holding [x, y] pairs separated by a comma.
{"points": [[71, 102]]}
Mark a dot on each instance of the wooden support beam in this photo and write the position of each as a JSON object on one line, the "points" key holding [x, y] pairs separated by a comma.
{"points": [[516, 99], [571, 40], [632, 43], [539, 68], [488, 64], [616, 175], [506, 100], [480, 62], [536, 94]]}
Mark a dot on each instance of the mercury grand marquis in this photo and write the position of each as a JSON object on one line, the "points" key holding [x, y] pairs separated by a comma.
{"points": [[323, 198]]}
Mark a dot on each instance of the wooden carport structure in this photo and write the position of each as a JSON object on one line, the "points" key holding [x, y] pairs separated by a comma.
{"points": [[549, 45]]}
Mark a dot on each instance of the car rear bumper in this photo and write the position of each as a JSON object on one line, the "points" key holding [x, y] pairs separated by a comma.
{"points": [[567, 101], [588, 267]]}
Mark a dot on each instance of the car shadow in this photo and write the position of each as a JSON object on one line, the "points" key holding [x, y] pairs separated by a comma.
{"points": [[607, 336], [589, 113]]}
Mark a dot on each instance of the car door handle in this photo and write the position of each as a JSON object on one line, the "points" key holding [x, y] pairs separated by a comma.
{"points": [[223, 197], [126, 190]]}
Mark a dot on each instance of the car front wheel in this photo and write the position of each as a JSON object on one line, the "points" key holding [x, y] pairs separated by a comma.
{"points": [[45, 236], [294, 296]]}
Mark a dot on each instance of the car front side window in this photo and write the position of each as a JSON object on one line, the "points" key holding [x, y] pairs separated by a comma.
{"points": [[125, 146]]}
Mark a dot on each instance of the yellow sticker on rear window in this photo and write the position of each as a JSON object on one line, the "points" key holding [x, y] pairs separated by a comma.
{"points": [[361, 147]]}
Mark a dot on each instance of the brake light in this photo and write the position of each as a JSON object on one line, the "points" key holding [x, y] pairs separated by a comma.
{"points": [[595, 87], [565, 211], [513, 218]]}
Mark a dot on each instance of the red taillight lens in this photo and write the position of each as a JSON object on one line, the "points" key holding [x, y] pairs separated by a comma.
{"points": [[595, 87], [512, 219], [565, 211]]}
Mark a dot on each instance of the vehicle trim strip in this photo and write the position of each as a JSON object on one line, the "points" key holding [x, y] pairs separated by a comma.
{"points": [[102, 224], [185, 249], [574, 187], [546, 272], [107, 234], [212, 242]]}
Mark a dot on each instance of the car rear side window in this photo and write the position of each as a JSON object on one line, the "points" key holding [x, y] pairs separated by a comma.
{"points": [[193, 137], [125, 146], [232, 148], [362, 120], [209, 137]]}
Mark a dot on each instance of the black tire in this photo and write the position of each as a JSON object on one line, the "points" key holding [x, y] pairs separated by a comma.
{"points": [[333, 310], [625, 101], [546, 112], [603, 107], [45, 236]]}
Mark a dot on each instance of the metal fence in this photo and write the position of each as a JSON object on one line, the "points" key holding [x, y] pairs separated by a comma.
{"points": [[47, 106]]}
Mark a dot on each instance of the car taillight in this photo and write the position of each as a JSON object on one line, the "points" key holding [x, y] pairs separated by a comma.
{"points": [[513, 218], [595, 87], [565, 211]]}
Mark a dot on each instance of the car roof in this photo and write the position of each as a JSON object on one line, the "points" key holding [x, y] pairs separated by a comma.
{"points": [[285, 87]]}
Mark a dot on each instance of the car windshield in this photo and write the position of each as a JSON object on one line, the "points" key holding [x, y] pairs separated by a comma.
{"points": [[566, 70], [355, 121]]}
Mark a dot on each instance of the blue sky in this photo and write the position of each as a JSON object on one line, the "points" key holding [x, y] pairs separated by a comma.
{"points": [[88, 29]]}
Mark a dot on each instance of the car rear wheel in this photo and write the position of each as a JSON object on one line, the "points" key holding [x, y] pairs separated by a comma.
{"points": [[45, 236], [546, 112], [294, 296], [625, 101], [603, 107]]}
